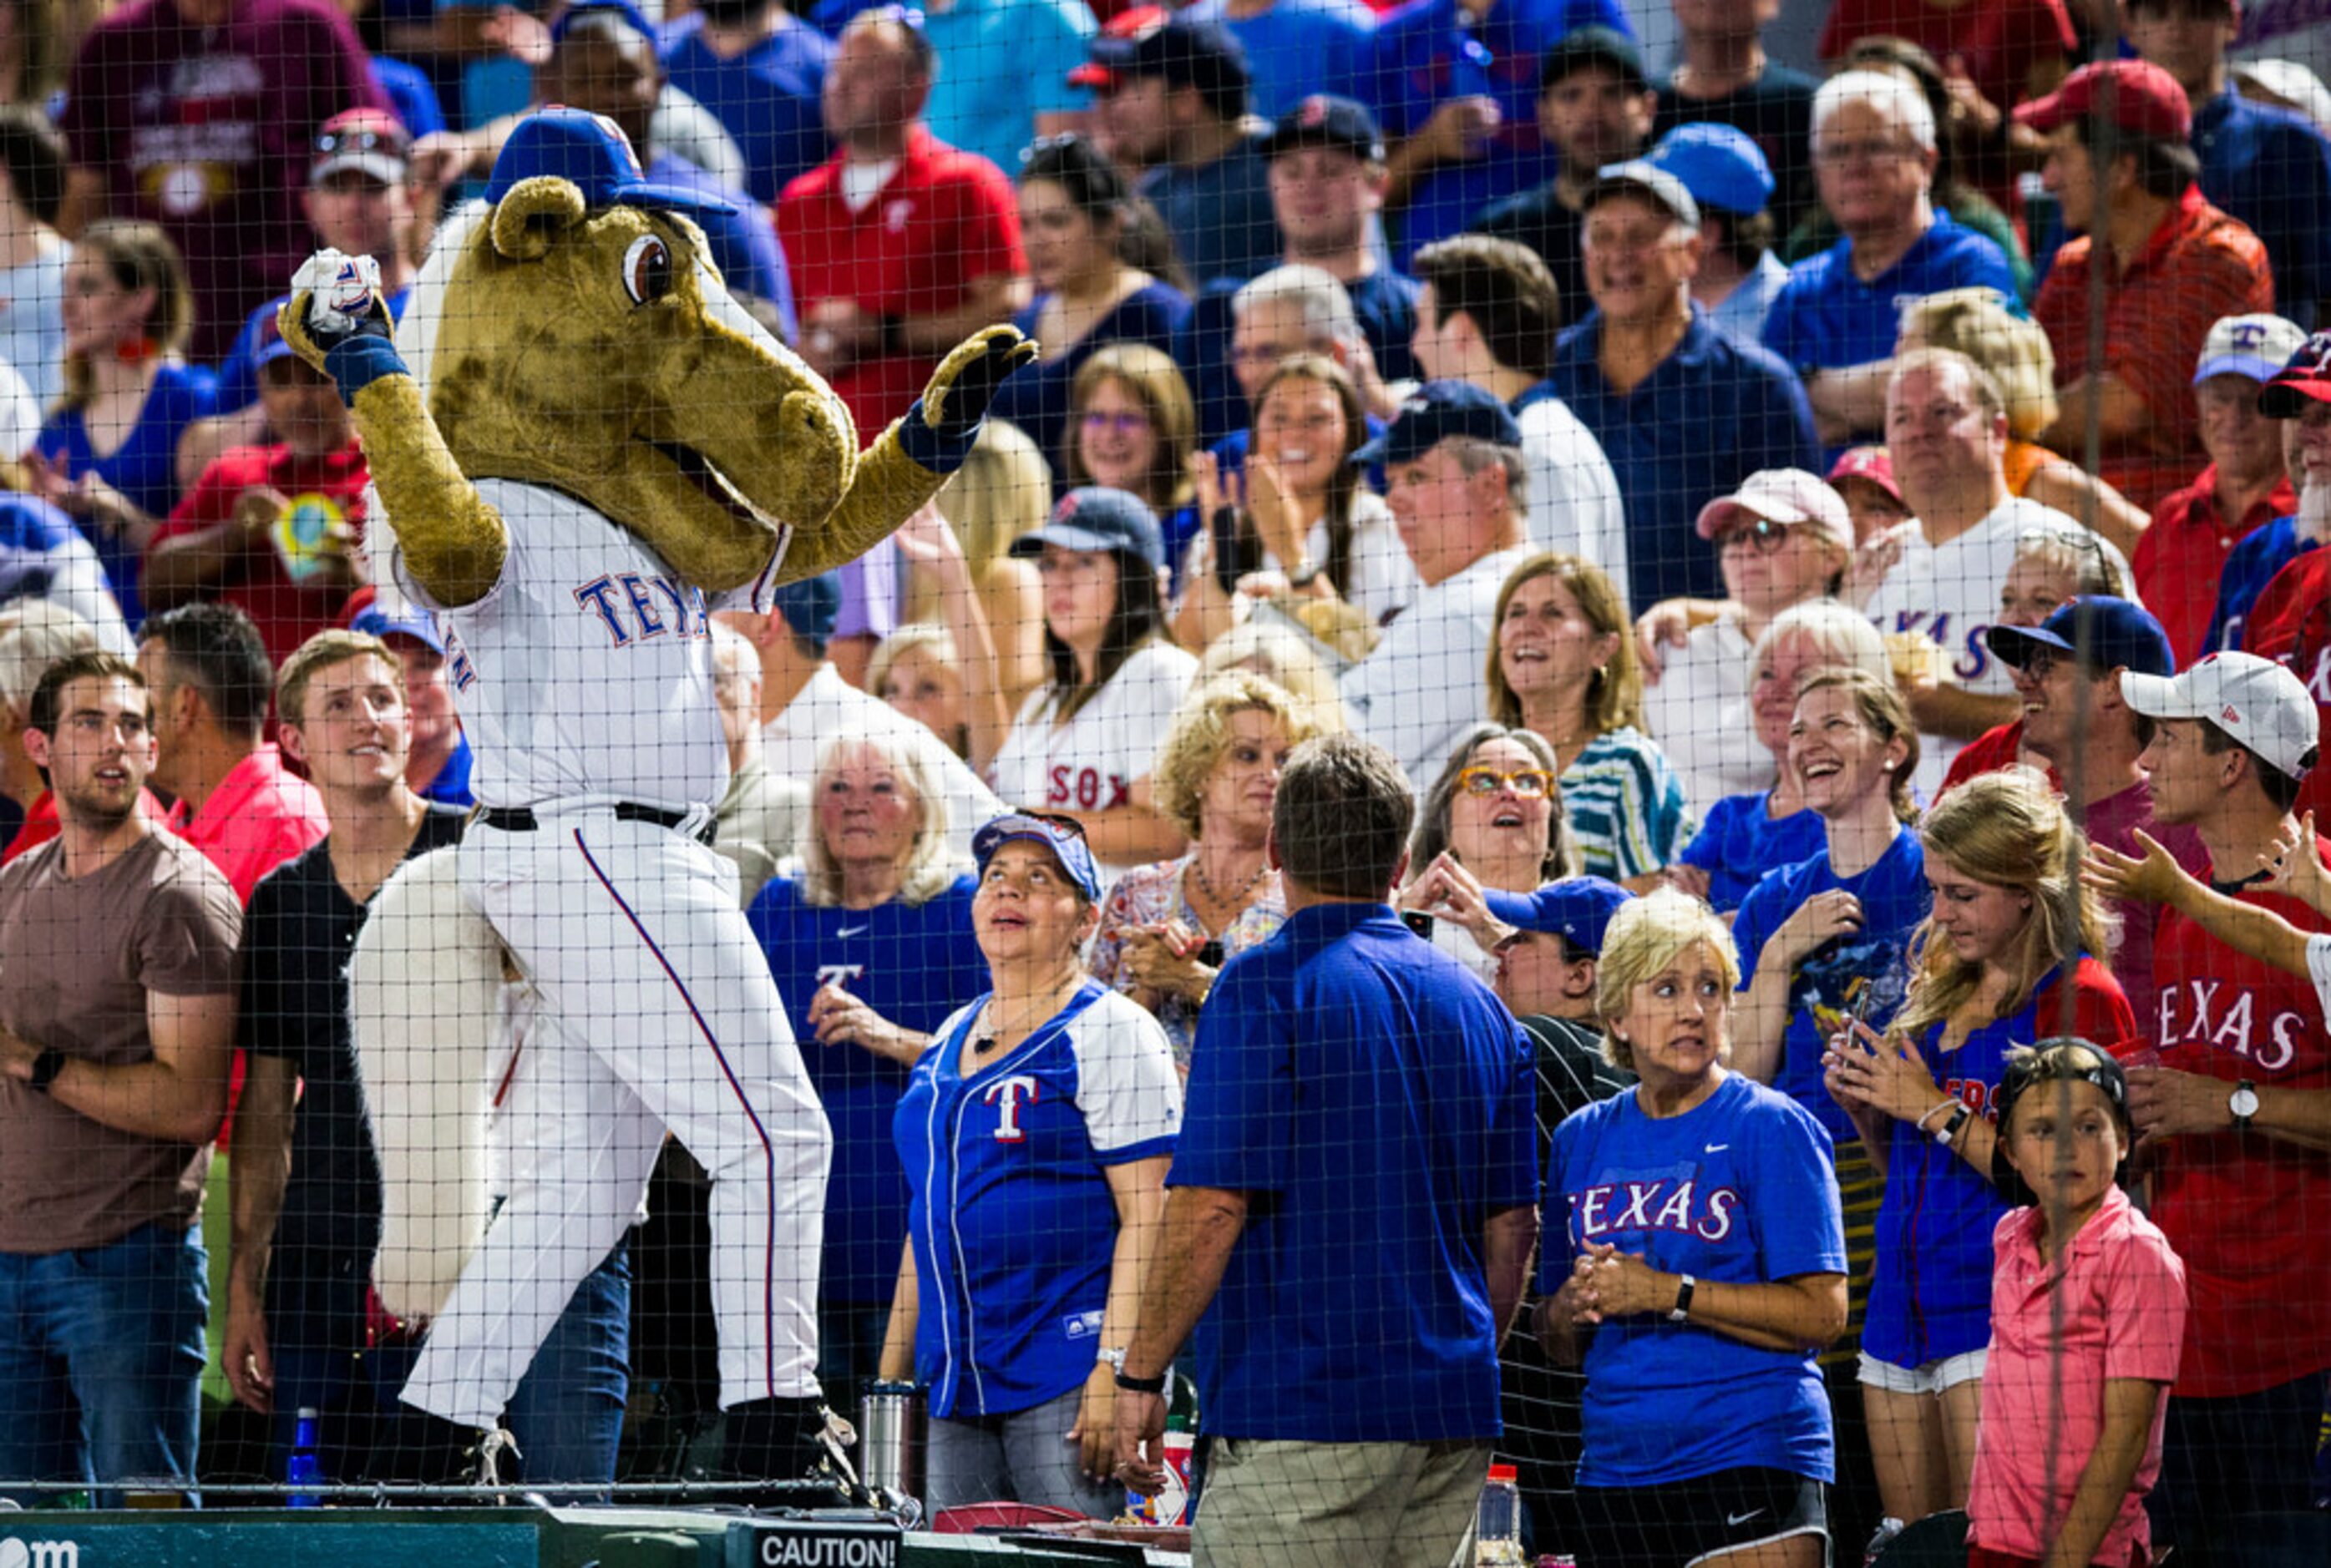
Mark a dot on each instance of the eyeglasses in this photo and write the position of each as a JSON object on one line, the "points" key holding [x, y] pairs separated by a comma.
{"points": [[340, 141], [1763, 535], [1123, 421], [1532, 784]]}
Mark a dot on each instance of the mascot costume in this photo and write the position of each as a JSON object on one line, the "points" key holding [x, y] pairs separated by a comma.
{"points": [[583, 446]]}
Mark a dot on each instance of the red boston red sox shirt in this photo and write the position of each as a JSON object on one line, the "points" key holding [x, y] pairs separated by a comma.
{"points": [[2248, 1213], [943, 218]]}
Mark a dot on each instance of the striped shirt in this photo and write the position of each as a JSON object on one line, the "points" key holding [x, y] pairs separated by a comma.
{"points": [[1625, 804]]}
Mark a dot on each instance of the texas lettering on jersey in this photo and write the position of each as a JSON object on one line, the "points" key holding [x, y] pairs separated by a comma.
{"points": [[1969, 660], [638, 609], [2205, 1011], [1661, 1203]]}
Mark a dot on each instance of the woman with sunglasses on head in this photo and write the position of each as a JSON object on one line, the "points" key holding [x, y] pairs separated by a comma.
{"points": [[1035, 1131], [1492, 822], [1094, 281], [1085, 741], [1296, 519], [2012, 952], [1783, 537], [1563, 666]]}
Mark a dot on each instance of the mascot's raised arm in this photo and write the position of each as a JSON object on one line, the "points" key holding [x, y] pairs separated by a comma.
{"points": [[583, 447]]}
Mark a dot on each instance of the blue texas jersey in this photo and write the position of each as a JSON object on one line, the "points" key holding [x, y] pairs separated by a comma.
{"points": [[1013, 1221]]}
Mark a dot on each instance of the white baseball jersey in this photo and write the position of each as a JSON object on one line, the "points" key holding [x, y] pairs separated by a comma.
{"points": [[1089, 762], [1699, 712], [1424, 685], [1574, 496], [586, 670], [1950, 593]]}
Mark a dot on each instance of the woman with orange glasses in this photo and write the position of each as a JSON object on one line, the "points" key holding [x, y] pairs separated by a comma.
{"points": [[1493, 821]]}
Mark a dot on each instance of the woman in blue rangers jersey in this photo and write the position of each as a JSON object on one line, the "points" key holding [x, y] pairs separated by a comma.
{"points": [[1700, 1267], [2014, 940], [1035, 1131]]}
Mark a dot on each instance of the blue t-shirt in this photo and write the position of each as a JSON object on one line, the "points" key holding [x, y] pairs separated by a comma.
{"points": [[1220, 217], [1738, 842], [1013, 1221], [238, 373], [766, 98], [913, 963], [2271, 169], [1386, 302], [1930, 1293], [1295, 49], [451, 787], [1829, 986], [2250, 566], [1428, 51], [1710, 415], [1377, 1103], [1036, 398], [1741, 1188], [1828, 318], [144, 467], [743, 243]]}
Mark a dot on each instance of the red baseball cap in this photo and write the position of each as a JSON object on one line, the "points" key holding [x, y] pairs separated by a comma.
{"points": [[2305, 378], [1125, 27], [2145, 101], [1873, 463]]}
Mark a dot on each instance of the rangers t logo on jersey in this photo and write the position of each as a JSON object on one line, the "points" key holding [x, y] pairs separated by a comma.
{"points": [[1007, 1094]]}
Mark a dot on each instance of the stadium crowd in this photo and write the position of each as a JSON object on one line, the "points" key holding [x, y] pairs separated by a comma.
{"points": [[1555, 660]]}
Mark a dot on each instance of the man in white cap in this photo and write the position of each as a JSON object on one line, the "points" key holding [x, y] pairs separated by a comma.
{"points": [[2245, 485], [2238, 1108], [1783, 537]]}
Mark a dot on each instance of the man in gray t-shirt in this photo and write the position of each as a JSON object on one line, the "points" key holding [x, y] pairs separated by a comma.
{"points": [[116, 1020]]}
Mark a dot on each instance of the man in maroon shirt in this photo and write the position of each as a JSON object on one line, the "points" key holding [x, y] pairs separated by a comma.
{"points": [[201, 115], [2178, 559]]}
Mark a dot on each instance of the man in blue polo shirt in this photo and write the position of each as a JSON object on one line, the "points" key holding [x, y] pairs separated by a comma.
{"points": [[2267, 166], [1455, 82], [1683, 414], [1351, 1209], [1837, 316]]}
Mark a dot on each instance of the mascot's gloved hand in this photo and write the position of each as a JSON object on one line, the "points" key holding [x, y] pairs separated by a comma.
{"points": [[964, 383], [355, 349]]}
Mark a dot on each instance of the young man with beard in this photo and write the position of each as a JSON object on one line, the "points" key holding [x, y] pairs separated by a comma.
{"points": [[116, 1020]]}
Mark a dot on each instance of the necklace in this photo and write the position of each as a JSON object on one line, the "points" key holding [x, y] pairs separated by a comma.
{"points": [[992, 1038], [1237, 895]]}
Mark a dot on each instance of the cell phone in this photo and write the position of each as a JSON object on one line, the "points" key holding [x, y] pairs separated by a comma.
{"points": [[1418, 921]]}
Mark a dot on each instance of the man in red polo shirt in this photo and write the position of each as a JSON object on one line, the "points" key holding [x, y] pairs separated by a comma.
{"points": [[2173, 266], [211, 683], [2179, 558], [900, 244], [2237, 1113]]}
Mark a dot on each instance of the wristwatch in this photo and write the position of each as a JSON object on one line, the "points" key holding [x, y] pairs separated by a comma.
{"points": [[1681, 1311], [1111, 1357], [2244, 1103]]}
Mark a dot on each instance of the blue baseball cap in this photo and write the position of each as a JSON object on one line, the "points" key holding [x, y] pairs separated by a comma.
{"points": [[812, 607], [1435, 412], [594, 154], [1578, 909], [2120, 636], [375, 621], [1719, 164], [1096, 517], [1061, 835], [271, 347], [1323, 119], [611, 11]]}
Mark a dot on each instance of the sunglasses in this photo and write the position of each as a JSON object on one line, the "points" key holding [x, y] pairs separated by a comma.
{"points": [[1531, 783], [338, 141], [1763, 535]]}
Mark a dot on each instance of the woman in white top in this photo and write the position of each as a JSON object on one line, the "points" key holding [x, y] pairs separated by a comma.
{"points": [[1084, 740], [1304, 521]]}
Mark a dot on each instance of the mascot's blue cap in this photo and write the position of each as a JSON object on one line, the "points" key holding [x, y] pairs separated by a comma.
{"points": [[592, 151]]}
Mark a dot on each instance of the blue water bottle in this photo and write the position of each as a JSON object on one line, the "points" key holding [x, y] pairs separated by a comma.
{"points": [[303, 1472]]}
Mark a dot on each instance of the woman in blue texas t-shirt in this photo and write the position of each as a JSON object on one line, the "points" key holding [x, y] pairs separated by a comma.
{"points": [[2000, 966], [1695, 1262], [107, 452]]}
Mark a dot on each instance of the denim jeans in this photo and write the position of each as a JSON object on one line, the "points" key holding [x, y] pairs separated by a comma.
{"points": [[101, 1363], [2253, 1453], [566, 1416]]}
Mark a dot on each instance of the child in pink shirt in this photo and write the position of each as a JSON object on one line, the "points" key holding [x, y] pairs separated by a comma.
{"points": [[2087, 1316]]}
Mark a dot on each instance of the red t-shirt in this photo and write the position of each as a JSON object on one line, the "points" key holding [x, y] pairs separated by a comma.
{"points": [[2180, 557], [209, 131], [2247, 1213], [286, 613], [943, 218], [40, 823], [2291, 625], [2000, 40], [2000, 747], [260, 816], [2198, 266]]}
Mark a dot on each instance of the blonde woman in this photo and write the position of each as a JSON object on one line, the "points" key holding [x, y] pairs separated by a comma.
{"points": [[1133, 426], [1563, 666], [2012, 953], [1167, 928], [2014, 348]]}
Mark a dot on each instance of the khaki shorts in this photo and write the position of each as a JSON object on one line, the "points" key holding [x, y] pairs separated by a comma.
{"points": [[1295, 1504]]}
